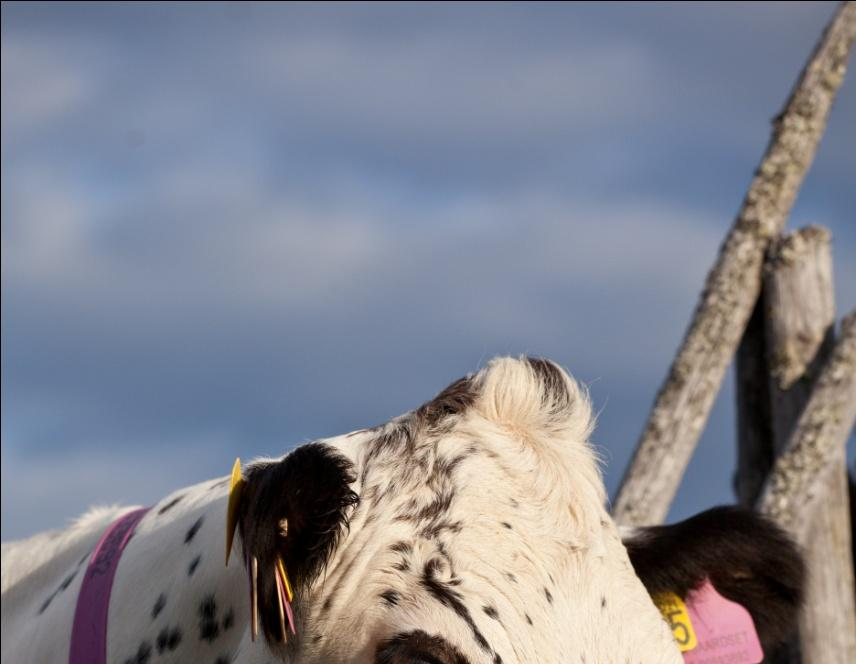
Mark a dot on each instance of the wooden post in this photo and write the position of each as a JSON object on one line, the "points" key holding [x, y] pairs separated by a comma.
{"points": [[733, 285], [799, 317], [754, 433], [802, 472]]}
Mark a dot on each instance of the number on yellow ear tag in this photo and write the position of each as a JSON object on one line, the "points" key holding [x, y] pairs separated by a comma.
{"points": [[675, 614], [236, 486]]}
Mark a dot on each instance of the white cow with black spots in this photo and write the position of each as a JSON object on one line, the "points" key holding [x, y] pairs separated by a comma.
{"points": [[472, 529]]}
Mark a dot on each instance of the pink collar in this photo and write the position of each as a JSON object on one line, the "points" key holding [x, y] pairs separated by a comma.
{"points": [[89, 631]]}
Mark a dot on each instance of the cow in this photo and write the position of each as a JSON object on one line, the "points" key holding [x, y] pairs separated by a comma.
{"points": [[472, 529]]}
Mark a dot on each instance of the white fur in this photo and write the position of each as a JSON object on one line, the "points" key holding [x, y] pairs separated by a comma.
{"points": [[530, 467]]}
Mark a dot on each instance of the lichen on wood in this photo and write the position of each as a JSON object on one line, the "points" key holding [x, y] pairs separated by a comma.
{"points": [[684, 401]]}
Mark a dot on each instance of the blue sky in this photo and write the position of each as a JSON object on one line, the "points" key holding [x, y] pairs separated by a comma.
{"points": [[231, 228]]}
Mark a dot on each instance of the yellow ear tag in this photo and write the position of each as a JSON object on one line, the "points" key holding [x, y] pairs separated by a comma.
{"points": [[236, 487], [288, 591], [675, 613]]}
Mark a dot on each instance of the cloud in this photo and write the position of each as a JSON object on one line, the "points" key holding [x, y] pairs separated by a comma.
{"points": [[40, 86], [258, 226]]}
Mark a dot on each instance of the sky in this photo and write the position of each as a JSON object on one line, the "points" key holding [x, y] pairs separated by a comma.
{"points": [[228, 229]]}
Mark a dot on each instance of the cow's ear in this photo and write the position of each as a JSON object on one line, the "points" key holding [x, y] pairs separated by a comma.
{"points": [[748, 559], [293, 510]]}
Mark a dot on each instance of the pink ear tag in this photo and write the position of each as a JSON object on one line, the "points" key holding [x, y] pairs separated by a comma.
{"points": [[724, 630]]}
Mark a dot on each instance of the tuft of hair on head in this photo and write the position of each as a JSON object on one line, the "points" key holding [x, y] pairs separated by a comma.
{"points": [[534, 398]]}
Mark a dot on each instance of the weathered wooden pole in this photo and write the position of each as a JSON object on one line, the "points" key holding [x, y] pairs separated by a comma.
{"points": [[733, 284], [801, 473], [798, 318]]}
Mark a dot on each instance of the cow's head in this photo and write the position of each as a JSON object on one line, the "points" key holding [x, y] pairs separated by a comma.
{"points": [[470, 530]]}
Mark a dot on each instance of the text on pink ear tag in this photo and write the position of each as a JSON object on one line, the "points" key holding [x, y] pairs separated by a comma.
{"points": [[724, 629]]}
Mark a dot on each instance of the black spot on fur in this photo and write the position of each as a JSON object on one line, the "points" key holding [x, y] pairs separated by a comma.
{"points": [[142, 656], [228, 620], [209, 629], [453, 400], [511, 577], [193, 565], [172, 503], [490, 612], [390, 597], [66, 582], [548, 595], [402, 565], [311, 487], [528, 619], [497, 659], [160, 602], [418, 647], [191, 533], [223, 659], [46, 603], [452, 599], [168, 639], [747, 558], [401, 547], [553, 386], [437, 527], [505, 524], [603, 602]]}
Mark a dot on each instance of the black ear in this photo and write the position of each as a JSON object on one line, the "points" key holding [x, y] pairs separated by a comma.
{"points": [[748, 559], [294, 509]]}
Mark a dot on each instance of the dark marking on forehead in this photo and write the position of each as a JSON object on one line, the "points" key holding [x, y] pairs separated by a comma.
{"points": [[552, 379], [440, 504], [401, 547], [511, 577], [437, 528], [193, 565], [507, 525], [160, 603], [528, 619], [451, 598], [172, 503], [603, 602], [418, 646], [390, 597], [490, 611], [548, 595], [454, 400]]}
